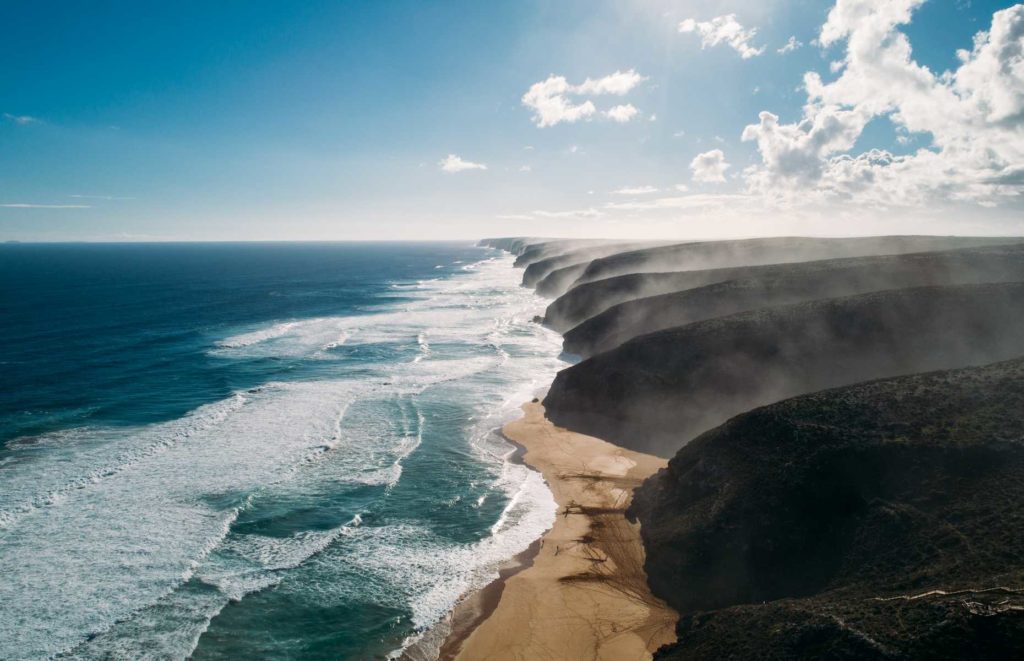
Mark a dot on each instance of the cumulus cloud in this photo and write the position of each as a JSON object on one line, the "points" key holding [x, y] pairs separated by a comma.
{"points": [[790, 45], [555, 100], [709, 167], [635, 190], [622, 114], [972, 118], [724, 30], [454, 163]]}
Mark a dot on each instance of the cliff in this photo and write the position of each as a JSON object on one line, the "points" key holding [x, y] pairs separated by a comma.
{"points": [[656, 392], [878, 521], [590, 299], [767, 286], [747, 252]]}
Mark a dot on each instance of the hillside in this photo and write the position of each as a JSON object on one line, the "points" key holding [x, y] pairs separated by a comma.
{"points": [[877, 521], [748, 252], [766, 286], [658, 391]]}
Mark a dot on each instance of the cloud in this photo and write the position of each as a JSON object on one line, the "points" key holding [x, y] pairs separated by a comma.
{"points": [[709, 167], [21, 119], [724, 29], [525, 168], [572, 213], [22, 205], [618, 83], [101, 197], [552, 103], [453, 163], [635, 190], [622, 114], [789, 46], [697, 201], [974, 117]]}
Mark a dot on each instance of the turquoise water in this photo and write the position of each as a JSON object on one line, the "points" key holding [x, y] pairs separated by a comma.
{"points": [[258, 450]]}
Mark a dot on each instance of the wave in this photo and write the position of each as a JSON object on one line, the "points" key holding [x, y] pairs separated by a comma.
{"points": [[156, 552]]}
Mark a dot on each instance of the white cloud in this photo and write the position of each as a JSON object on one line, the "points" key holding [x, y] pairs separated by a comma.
{"points": [[525, 168], [454, 163], [573, 213], [789, 46], [697, 201], [22, 205], [682, 188], [724, 29], [622, 114], [709, 167], [21, 119], [635, 190], [973, 115], [618, 83], [552, 103]]}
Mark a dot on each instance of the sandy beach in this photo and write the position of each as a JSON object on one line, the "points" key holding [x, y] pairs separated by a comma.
{"points": [[585, 596]]}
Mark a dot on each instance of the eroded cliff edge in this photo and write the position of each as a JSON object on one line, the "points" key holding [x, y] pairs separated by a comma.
{"points": [[877, 521]]}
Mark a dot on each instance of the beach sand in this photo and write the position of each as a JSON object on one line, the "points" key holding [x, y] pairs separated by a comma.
{"points": [[585, 596]]}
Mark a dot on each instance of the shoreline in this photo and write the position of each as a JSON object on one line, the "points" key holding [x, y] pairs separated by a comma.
{"points": [[580, 591], [443, 641], [478, 606]]}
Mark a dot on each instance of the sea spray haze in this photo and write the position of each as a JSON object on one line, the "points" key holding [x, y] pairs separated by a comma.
{"points": [[239, 450]]}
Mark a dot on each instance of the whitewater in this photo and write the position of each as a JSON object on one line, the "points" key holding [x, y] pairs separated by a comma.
{"points": [[336, 510]]}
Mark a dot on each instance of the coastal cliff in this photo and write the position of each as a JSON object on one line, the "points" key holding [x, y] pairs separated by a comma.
{"points": [[768, 286], [877, 521], [747, 252], [846, 418], [657, 391]]}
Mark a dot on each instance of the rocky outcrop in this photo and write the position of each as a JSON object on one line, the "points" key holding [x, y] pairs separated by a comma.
{"points": [[658, 391], [766, 286], [877, 521]]}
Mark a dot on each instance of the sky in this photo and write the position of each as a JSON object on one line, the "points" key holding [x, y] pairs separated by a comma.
{"points": [[268, 120]]}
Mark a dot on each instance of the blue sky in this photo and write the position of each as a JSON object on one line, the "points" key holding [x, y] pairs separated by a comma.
{"points": [[332, 120]]}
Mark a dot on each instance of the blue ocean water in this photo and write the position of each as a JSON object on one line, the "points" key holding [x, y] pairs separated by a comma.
{"points": [[258, 450]]}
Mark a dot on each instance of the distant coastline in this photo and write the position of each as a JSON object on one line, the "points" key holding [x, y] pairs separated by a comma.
{"points": [[659, 327]]}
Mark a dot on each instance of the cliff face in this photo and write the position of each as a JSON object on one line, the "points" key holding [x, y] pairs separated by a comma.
{"points": [[535, 250], [539, 269], [761, 287], [878, 521], [720, 254], [657, 391]]}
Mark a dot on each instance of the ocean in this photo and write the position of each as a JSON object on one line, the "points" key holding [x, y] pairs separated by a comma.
{"points": [[224, 451]]}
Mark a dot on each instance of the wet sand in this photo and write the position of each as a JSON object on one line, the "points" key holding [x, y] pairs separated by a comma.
{"points": [[585, 595]]}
